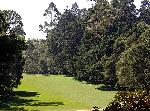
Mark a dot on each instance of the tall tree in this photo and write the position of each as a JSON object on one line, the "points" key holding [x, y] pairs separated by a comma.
{"points": [[96, 42], [145, 11], [11, 62], [14, 22], [52, 14], [135, 64], [63, 36]]}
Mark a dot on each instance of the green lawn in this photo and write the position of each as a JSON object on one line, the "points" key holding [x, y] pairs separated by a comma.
{"points": [[55, 93]]}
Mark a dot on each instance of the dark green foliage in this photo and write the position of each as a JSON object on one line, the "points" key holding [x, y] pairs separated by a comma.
{"points": [[145, 11], [106, 87], [108, 36], [3, 24], [135, 64], [14, 22], [130, 101], [108, 43], [64, 33], [36, 55], [11, 60], [95, 43]]}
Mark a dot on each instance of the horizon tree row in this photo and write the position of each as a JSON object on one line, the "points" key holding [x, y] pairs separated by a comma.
{"points": [[108, 43]]}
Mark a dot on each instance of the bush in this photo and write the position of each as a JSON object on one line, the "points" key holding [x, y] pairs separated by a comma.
{"points": [[11, 63], [130, 101], [106, 88]]}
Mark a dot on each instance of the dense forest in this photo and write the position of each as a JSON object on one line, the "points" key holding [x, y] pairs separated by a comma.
{"points": [[106, 44]]}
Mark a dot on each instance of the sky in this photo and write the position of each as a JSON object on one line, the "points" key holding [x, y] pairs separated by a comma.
{"points": [[32, 11]]}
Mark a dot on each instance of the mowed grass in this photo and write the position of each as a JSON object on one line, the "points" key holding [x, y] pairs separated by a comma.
{"points": [[56, 93]]}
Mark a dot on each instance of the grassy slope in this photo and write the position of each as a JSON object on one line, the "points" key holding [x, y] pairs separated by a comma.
{"points": [[58, 93]]}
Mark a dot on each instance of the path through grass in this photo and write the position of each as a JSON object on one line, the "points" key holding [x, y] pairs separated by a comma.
{"points": [[56, 93]]}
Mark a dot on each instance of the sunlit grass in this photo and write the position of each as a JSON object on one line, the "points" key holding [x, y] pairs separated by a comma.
{"points": [[57, 93]]}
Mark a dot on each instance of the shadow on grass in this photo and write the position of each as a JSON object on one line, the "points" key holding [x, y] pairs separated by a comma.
{"points": [[21, 99], [12, 109], [25, 94], [106, 88]]}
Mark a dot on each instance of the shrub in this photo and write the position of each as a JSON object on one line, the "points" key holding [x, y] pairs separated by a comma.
{"points": [[130, 101]]}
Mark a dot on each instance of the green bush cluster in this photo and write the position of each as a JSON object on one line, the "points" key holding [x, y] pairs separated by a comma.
{"points": [[130, 101]]}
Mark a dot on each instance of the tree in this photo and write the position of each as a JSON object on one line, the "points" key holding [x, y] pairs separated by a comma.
{"points": [[135, 64], [144, 11], [14, 22], [11, 62], [53, 15], [37, 60], [63, 36], [89, 44], [96, 43]]}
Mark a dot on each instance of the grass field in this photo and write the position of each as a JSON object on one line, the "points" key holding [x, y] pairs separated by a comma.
{"points": [[55, 93]]}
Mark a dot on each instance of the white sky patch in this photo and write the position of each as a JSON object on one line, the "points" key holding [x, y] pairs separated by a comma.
{"points": [[32, 11]]}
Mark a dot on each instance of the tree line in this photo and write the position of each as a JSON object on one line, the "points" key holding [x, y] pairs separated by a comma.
{"points": [[108, 43]]}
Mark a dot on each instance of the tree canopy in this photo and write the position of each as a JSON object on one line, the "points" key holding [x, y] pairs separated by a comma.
{"points": [[108, 43], [11, 60]]}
